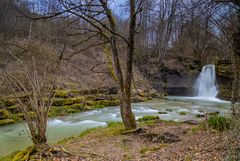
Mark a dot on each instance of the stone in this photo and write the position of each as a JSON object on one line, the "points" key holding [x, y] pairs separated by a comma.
{"points": [[162, 112]]}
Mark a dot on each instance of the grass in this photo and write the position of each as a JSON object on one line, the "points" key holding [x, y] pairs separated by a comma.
{"points": [[219, 123]]}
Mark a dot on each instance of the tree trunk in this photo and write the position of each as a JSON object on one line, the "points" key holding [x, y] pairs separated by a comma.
{"points": [[128, 117], [236, 57], [39, 139]]}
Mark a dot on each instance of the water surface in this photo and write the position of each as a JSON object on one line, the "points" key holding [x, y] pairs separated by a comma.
{"points": [[15, 137]]}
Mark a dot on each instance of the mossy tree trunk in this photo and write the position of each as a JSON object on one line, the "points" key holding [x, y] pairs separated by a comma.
{"points": [[124, 81], [126, 111]]}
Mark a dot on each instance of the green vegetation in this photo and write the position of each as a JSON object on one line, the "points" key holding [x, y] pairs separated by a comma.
{"points": [[67, 102], [220, 123], [24, 155], [182, 113], [61, 93], [148, 118], [162, 112], [4, 114], [7, 121], [9, 157]]}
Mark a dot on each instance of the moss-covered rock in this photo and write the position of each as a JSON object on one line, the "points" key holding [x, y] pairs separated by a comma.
{"points": [[79, 107], [224, 68], [70, 110], [109, 102], [9, 102], [57, 111], [14, 109], [61, 93], [20, 115], [148, 118], [162, 112], [183, 113], [67, 101], [6, 121], [4, 114]]}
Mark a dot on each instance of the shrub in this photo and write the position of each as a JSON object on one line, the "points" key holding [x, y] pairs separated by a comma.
{"points": [[220, 123]]}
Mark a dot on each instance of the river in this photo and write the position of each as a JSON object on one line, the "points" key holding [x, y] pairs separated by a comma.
{"points": [[15, 137]]}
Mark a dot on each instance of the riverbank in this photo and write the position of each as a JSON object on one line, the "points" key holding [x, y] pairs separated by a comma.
{"points": [[153, 140], [69, 102]]}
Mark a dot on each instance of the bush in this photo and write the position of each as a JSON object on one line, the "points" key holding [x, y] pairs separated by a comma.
{"points": [[220, 123]]}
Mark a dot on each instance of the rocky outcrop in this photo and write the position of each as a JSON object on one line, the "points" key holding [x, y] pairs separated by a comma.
{"points": [[175, 76], [224, 78]]}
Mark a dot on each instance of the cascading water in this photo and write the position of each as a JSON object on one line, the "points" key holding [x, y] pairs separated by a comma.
{"points": [[206, 84]]}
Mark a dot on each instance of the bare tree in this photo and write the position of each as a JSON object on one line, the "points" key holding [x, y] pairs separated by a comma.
{"points": [[35, 97], [93, 21]]}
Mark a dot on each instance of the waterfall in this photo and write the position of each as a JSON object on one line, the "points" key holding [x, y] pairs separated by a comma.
{"points": [[206, 84]]}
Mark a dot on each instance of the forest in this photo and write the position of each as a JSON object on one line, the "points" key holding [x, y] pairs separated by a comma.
{"points": [[119, 80]]}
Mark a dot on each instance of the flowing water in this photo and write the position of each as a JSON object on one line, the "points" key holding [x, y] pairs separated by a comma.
{"points": [[206, 85], [15, 137]]}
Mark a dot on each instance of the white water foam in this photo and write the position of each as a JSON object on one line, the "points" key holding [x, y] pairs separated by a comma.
{"points": [[206, 84]]}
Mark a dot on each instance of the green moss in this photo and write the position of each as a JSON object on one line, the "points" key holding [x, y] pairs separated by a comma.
{"points": [[4, 114], [148, 118], [2, 104], [9, 102], [57, 111], [182, 113], [112, 124], [79, 107], [17, 117], [24, 155], [67, 101], [69, 110], [195, 129], [20, 115], [162, 112], [6, 121], [114, 128], [9, 157], [88, 131], [14, 109], [61, 93], [107, 53], [109, 102]]}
